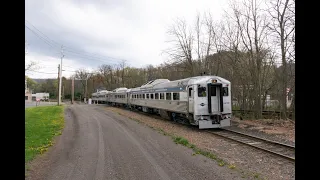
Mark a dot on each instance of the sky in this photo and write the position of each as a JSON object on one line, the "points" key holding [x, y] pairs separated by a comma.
{"points": [[95, 32]]}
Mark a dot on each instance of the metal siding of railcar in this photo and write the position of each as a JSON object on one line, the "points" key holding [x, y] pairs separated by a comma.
{"points": [[172, 105], [160, 90], [168, 105]]}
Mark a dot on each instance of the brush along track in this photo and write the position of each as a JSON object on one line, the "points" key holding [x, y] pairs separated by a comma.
{"points": [[276, 148]]}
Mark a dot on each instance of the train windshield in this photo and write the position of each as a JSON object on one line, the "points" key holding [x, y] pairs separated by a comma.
{"points": [[202, 91]]}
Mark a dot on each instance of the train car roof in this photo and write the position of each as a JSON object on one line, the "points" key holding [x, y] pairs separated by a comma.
{"points": [[119, 90], [152, 83], [189, 81]]}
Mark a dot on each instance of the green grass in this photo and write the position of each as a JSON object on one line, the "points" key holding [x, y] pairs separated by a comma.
{"points": [[41, 125]]}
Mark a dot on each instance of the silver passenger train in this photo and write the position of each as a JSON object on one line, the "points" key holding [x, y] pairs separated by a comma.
{"points": [[203, 101]]}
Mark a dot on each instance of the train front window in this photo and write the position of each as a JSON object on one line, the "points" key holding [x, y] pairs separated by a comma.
{"points": [[202, 91], [225, 91], [213, 91], [190, 92]]}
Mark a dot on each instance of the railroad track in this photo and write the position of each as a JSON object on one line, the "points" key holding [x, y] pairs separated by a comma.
{"points": [[275, 148]]}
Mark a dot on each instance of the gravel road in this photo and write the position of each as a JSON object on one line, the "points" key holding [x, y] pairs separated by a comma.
{"points": [[99, 144]]}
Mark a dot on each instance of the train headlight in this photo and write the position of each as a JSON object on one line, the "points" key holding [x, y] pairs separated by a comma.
{"points": [[214, 81]]}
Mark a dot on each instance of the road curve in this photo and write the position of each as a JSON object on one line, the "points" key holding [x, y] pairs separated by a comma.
{"points": [[99, 144]]}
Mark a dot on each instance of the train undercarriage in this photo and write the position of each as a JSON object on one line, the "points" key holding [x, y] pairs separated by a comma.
{"points": [[203, 122]]}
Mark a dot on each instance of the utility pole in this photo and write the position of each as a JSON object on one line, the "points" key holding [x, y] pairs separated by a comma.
{"points": [[72, 91], [60, 81], [86, 90], [26, 45]]}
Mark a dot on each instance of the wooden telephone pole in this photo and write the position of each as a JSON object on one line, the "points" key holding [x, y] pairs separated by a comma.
{"points": [[58, 98], [86, 95], [72, 91]]}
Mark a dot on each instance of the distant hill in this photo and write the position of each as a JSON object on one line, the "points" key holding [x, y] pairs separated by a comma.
{"points": [[40, 80]]}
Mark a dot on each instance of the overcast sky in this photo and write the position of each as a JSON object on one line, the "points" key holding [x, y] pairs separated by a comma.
{"points": [[96, 32]]}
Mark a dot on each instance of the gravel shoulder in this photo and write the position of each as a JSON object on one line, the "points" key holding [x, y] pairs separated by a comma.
{"points": [[250, 161], [276, 130], [101, 144]]}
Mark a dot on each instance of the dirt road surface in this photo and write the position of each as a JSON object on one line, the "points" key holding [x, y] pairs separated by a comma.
{"points": [[99, 144]]}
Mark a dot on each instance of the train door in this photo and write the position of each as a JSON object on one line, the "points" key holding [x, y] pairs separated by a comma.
{"points": [[215, 98], [190, 99]]}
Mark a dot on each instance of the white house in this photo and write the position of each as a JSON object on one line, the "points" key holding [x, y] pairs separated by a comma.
{"points": [[41, 96]]}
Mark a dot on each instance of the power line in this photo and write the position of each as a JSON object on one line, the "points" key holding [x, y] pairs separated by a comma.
{"points": [[73, 52], [69, 49], [41, 72], [50, 72], [42, 33], [35, 33]]}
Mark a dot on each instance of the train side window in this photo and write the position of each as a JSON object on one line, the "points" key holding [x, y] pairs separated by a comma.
{"points": [[175, 96], [156, 96], [213, 91], [151, 96], [190, 92], [168, 96], [202, 91], [161, 95], [147, 96], [143, 96]]}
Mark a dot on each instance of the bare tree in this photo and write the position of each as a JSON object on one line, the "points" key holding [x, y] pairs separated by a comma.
{"points": [[30, 66], [283, 26], [252, 24], [83, 75], [181, 52], [106, 75], [123, 66]]}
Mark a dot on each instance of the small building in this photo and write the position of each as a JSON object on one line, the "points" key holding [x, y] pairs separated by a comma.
{"points": [[41, 96]]}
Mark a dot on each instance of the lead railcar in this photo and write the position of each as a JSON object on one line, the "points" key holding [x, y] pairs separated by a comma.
{"points": [[203, 101]]}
